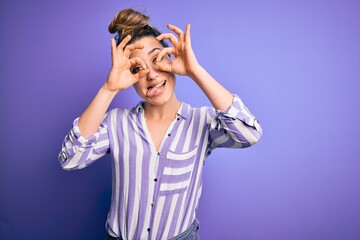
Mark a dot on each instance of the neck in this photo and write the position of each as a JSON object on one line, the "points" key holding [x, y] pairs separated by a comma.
{"points": [[164, 111]]}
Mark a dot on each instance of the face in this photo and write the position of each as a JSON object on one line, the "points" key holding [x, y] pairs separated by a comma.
{"points": [[157, 87]]}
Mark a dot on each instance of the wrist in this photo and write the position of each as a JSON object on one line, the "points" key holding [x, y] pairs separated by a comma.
{"points": [[107, 90], [196, 73]]}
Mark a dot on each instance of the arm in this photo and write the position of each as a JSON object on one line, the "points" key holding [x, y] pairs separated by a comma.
{"points": [[78, 152], [88, 139], [219, 96], [232, 125], [119, 78], [236, 127], [185, 63]]}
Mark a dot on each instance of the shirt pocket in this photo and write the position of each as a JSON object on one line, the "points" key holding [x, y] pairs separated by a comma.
{"points": [[177, 172]]}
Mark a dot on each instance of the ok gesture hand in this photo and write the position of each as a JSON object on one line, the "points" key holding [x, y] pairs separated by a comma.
{"points": [[120, 76], [184, 62]]}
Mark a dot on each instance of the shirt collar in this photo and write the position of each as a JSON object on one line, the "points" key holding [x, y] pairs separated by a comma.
{"points": [[183, 111], [139, 107]]}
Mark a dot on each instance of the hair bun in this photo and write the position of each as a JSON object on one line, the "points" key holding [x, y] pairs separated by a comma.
{"points": [[127, 21]]}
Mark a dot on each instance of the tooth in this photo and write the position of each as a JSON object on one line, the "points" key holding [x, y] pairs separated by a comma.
{"points": [[159, 84], [156, 86]]}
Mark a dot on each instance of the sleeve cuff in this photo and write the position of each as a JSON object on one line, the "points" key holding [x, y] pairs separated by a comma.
{"points": [[80, 140], [238, 110]]}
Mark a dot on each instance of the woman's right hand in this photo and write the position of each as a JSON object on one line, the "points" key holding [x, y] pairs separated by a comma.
{"points": [[121, 76]]}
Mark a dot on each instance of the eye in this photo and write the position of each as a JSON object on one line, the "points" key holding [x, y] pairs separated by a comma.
{"points": [[135, 69]]}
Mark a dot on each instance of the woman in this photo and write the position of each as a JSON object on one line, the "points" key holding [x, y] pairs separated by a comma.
{"points": [[159, 146]]}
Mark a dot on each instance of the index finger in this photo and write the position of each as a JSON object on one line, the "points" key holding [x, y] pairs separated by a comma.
{"points": [[187, 34], [124, 42], [177, 30], [168, 36], [132, 47]]}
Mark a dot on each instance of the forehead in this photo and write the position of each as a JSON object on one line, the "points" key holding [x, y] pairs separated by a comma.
{"points": [[149, 44]]}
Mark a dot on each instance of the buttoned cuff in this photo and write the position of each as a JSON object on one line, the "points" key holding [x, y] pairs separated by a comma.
{"points": [[74, 142], [238, 110]]}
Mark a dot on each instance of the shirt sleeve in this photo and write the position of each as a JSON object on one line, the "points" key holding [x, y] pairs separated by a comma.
{"points": [[235, 128], [78, 152]]}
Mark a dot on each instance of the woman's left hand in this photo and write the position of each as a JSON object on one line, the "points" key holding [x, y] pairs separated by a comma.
{"points": [[184, 62]]}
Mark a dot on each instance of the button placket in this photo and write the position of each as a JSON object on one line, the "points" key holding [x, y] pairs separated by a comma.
{"points": [[154, 198]]}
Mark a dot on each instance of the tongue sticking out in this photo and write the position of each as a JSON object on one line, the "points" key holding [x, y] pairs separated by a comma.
{"points": [[155, 91]]}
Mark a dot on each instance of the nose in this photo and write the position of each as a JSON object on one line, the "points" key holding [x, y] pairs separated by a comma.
{"points": [[153, 73]]}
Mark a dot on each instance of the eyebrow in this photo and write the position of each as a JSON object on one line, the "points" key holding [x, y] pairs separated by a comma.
{"points": [[153, 50]]}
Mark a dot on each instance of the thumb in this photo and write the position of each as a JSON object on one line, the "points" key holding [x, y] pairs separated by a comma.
{"points": [[164, 66], [143, 73]]}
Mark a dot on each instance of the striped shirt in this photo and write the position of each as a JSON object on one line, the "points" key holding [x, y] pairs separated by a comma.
{"points": [[155, 194]]}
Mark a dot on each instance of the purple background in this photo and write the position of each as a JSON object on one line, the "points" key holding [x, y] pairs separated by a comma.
{"points": [[296, 64]]}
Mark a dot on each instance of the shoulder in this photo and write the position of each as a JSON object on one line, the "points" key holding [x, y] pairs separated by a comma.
{"points": [[202, 112], [115, 112], [120, 113]]}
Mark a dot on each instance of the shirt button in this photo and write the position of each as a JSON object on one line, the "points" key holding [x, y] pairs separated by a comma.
{"points": [[158, 153], [178, 119], [148, 229], [169, 134], [63, 156], [155, 179], [152, 204], [256, 125]]}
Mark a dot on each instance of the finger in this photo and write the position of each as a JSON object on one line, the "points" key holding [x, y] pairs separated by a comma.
{"points": [[164, 66], [137, 76], [171, 37], [187, 34], [164, 52], [177, 30], [144, 70], [131, 47], [138, 61], [124, 42], [135, 46], [113, 50], [143, 73], [113, 45]]}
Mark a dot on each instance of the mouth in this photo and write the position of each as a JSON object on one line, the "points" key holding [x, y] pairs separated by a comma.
{"points": [[156, 90]]}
